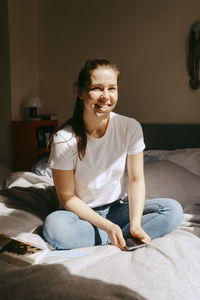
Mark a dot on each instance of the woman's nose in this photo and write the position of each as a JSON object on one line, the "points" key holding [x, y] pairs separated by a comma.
{"points": [[105, 95]]}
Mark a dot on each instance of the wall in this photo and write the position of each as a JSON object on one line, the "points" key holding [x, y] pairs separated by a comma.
{"points": [[23, 37], [19, 72], [147, 39], [45, 42], [5, 98]]}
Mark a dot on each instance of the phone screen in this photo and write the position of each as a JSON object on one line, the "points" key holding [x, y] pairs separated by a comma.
{"points": [[133, 243]]}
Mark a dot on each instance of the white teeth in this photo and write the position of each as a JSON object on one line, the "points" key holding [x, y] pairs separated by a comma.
{"points": [[101, 106]]}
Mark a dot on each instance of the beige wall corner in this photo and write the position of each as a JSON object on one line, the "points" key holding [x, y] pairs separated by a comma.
{"points": [[5, 96], [23, 38]]}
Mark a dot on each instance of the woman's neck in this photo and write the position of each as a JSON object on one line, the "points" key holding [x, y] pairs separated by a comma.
{"points": [[97, 127]]}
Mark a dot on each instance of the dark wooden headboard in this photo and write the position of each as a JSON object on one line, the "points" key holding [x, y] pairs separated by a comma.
{"points": [[171, 136]]}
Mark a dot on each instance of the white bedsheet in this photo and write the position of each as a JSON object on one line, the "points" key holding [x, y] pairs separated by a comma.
{"points": [[168, 268]]}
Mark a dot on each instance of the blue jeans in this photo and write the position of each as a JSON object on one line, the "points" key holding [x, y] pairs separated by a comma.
{"points": [[64, 230]]}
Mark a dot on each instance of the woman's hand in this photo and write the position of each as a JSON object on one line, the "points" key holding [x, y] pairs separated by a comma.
{"points": [[116, 237], [139, 233]]}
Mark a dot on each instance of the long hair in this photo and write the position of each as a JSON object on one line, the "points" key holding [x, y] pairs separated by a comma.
{"points": [[83, 82]]}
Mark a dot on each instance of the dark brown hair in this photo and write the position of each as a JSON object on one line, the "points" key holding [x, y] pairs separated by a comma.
{"points": [[83, 82]]}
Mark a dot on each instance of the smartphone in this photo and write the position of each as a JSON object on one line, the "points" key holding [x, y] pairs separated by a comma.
{"points": [[133, 243]]}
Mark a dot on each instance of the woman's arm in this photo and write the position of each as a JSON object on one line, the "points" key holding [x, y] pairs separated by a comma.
{"points": [[136, 195], [64, 184]]}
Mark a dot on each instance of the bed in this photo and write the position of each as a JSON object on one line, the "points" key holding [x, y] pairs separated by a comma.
{"points": [[168, 268]]}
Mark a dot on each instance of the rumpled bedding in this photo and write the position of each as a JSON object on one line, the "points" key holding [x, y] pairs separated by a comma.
{"points": [[168, 268]]}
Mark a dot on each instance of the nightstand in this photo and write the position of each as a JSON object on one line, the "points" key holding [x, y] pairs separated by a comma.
{"points": [[30, 140]]}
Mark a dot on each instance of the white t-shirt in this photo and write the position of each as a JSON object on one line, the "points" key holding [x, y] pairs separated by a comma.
{"points": [[100, 175]]}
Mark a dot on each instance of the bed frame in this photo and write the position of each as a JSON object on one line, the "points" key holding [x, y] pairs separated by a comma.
{"points": [[171, 136]]}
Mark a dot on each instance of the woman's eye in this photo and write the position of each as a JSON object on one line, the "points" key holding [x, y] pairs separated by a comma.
{"points": [[96, 88]]}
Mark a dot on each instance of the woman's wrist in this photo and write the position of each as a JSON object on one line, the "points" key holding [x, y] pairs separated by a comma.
{"points": [[135, 221], [107, 225]]}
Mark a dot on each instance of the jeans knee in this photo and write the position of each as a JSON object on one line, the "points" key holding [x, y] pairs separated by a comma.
{"points": [[176, 208], [175, 215], [178, 211], [56, 228]]}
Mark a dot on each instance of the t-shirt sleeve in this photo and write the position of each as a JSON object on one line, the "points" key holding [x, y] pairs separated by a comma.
{"points": [[62, 156], [135, 138]]}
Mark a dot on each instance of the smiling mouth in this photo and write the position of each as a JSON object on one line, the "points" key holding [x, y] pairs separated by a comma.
{"points": [[102, 107]]}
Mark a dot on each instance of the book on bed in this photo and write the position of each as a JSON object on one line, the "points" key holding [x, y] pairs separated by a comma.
{"points": [[20, 253]]}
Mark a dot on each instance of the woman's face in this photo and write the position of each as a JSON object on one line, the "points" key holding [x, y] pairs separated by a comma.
{"points": [[102, 94]]}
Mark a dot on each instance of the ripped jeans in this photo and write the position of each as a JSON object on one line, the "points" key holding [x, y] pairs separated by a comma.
{"points": [[63, 229]]}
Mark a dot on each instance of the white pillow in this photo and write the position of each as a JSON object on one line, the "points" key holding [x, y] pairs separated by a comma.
{"points": [[188, 158], [167, 179]]}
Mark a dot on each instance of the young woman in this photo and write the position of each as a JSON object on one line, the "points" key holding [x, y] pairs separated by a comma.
{"points": [[88, 159]]}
